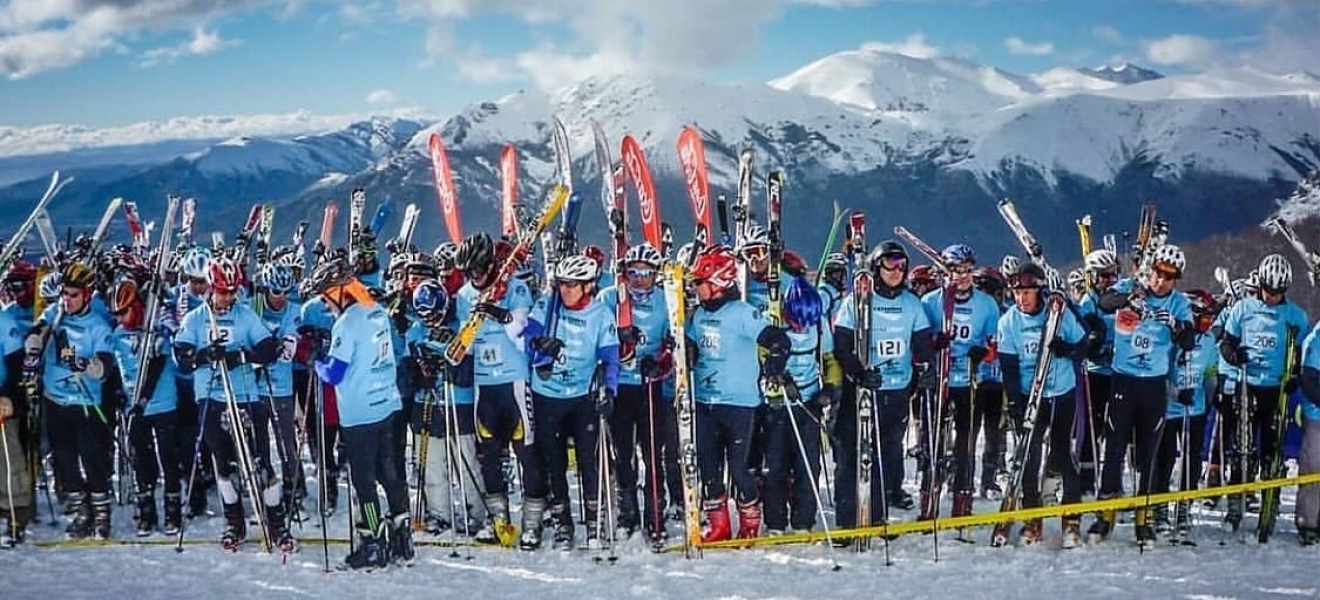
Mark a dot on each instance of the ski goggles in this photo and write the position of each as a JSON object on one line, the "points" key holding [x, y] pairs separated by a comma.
{"points": [[960, 269], [893, 262], [1024, 281], [640, 273], [755, 252]]}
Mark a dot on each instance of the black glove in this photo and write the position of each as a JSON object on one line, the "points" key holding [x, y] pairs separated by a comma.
{"points": [[977, 354], [630, 335], [870, 378], [940, 340], [775, 364], [605, 403], [210, 354], [650, 368], [1060, 348], [494, 311], [1185, 397], [548, 346], [234, 358], [927, 379], [1235, 354]]}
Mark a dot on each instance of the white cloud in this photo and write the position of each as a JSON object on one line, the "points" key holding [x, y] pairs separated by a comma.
{"points": [[1108, 33], [1017, 45], [1183, 50], [202, 43], [914, 45], [382, 97]]}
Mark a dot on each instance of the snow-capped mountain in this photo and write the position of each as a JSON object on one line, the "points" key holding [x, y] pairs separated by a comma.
{"points": [[917, 139]]}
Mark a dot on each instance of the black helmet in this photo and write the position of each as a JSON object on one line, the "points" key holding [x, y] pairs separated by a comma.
{"points": [[1029, 275], [477, 252], [334, 270], [890, 249]]}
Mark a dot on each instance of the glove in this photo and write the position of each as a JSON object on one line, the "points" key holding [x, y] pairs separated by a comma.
{"points": [[493, 311], [630, 335], [6, 408], [234, 358], [941, 340], [1185, 397], [1162, 316], [322, 369], [656, 368], [977, 354], [548, 346], [926, 377], [210, 354], [1235, 354], [870, 378], [775, 364], [76, 364], [1060, 348], [605, 403], [32, 343], [1016, 408]]}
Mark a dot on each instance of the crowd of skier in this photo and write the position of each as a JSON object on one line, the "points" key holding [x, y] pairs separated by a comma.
{"points": [[705, 392]]}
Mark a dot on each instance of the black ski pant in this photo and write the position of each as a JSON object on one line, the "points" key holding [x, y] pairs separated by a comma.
{"points": [[1264, 405], [189, 432], [988, 417], [558, 419], [891, 421], [217, 431], [79, 438], [500, 423], [963, 442], [1054, 418], [1100, 388], [286, 441], [723, 436], [369, 450], [1136, 416], [1182, 444], [639, 421], [790, 491], [155, 451]]}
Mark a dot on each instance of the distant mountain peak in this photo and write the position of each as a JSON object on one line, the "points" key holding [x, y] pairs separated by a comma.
{"points": [[1123, 73]]}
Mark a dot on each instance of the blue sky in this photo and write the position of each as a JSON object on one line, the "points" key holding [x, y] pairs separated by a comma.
{"points": [[105, 63]]}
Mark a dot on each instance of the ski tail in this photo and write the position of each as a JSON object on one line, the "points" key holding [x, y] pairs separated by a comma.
{"points": [[444, 188], [648, 209], [563, 155], [692, 158], [509, 192]]}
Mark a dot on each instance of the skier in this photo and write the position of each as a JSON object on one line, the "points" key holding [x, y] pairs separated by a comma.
{"points": [[281, 317], [833, 283], [315, 321], [1102, 265], [17, 502], [504, 408], [20, 292], [639, 409], [225, 333], [1255, 336], [725, 334], [1150, 320], [974, 319], [361, 366], [153, 431], [1020, 334], [988, 413], [77, 369], [574, 394], [185, 297], [1308, 460], [901, 355]]}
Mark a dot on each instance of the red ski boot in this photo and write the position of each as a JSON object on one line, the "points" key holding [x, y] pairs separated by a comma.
{"points": [[718, 526], [749, 520]]}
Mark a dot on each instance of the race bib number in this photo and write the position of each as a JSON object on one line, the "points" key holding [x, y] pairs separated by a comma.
{"points": [[1141, 343], [1264, 340], [710, 342], [490, 356], [890, 348]]}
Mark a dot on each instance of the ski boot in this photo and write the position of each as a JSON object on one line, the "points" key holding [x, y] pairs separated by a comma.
{"points": [[1072, 531], [597, 524], [11, 532], [235, 527], [1233, 517], [749, 520], [401, 542], [929, 506], [146, 520], [197, 500], [1163, 526], [533, 510], [561, 521], [1308, 536], [101, 502], [630, 519], [962, 503], [331, 494], [277, 530], [718, 525], [655, 529], [498, 529], [901, 500], [80, 526], [1182, 523], [991, 491], [1101, 528], [436, 524], [173, 513], [1143, 529], [372, 549], [1032, 532]]}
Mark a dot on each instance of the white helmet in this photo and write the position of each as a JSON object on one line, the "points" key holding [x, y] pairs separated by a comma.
{"points": [[197, 263], [1170, 255], [1076, 278], [1274, 273], [644, 253], [754, 237], [50, 286], [577, 268], [1054, 278], [685, 253], [1102, 259], [1009, 265]]}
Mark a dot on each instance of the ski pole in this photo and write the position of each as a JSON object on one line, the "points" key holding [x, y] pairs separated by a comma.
{"points": [[815, 496], [192, 473]]}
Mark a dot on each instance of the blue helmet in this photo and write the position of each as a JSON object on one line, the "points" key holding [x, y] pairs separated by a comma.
{"points": [[430, 300], [802, 305], [277, 278], [959, 254]]}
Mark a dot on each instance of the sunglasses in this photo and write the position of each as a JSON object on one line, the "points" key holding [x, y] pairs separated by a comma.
{"points": [[278, 292], [640, 273], [960, 270], [570, 284]]}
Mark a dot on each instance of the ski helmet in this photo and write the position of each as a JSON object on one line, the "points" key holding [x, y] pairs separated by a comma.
{"points": [[1170, 256], [1076, 279], [754, 238], [644, 253], [1101, 260], [923, 275], [717, 266], [224, 276], [50, 287], [836, 260], [1009, 265], [476, 253], [122, 296], [197, 263], [802, 304], [446, 256], [276, 278], [888, 253], [78, 275], [332, 271], [430, 300], [417, 264], [1275, 273], [577, 268], [1201, 301], [595, 253], [1028, 275], [21, 271], [958, 254]]}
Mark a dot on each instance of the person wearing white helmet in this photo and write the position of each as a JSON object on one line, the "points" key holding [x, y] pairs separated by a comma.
{"points": [[1259, 333], [1153, 324], [641, 418], [282, 316], [574, 394], [1101, 269]]}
